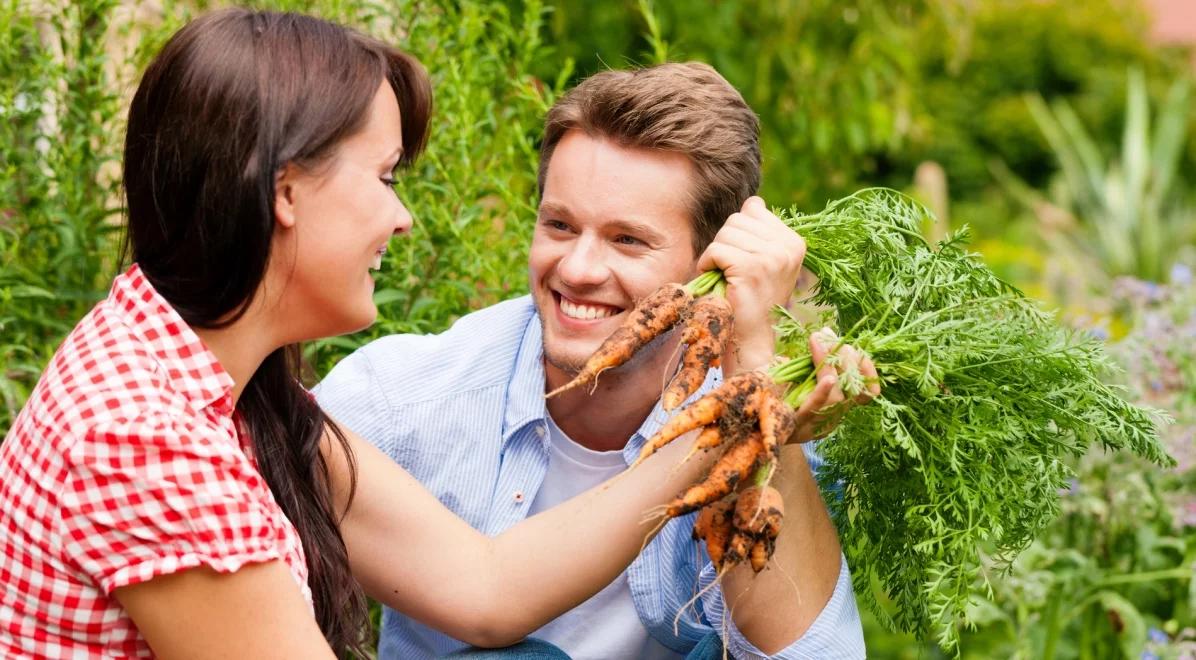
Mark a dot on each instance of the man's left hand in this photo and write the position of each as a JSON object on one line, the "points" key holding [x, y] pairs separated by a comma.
{"points": [[760, 258]]}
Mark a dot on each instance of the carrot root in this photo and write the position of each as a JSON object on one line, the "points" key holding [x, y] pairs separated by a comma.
{"points": [[652, 316]]}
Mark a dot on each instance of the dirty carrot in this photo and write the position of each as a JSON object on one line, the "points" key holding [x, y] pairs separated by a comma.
{"points": [[737, 393], [706, 333], [760, 553], [759, 510], [713, 525], [777, 421], [733, 467], [651, 317], [702, 412]]}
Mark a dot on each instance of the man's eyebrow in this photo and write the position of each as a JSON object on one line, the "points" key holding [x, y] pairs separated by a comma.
{"points": [[640, 229], [624, 225], [548, 208]]}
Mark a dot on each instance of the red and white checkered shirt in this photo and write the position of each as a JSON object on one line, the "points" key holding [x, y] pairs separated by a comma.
{"points": [[125, 465]]}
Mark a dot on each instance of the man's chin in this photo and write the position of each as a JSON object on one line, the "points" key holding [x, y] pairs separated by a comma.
{"points": [[568, 363]]}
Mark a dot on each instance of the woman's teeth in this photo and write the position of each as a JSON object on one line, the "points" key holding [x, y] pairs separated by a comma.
{"points": [[585, 312], [377, 262]]}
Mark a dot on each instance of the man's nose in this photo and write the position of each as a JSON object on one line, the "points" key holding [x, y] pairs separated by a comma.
{"points": [[583, 264]]}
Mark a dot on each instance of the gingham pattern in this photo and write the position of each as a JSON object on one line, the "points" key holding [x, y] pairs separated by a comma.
{"points": [[125, 465]]}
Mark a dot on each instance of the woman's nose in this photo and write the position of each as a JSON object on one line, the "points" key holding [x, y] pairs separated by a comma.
{"points": [[403, 220]]}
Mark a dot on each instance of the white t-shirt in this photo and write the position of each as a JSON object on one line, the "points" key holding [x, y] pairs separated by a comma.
{"points": [[607, 626]]}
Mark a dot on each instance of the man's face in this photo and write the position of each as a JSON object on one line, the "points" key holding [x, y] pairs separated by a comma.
{"points": [[613, 226]]}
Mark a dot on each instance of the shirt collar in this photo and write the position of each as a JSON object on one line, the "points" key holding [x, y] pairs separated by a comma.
{"points": [[525, 394], [189, 364]]}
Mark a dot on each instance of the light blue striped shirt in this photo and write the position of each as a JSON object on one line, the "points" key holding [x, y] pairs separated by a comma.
{"points": [[464, 412]]}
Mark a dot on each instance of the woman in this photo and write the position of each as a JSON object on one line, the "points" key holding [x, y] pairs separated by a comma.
{"points": [[169, 487]]}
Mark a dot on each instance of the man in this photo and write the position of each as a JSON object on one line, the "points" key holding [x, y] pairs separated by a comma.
{"points": [[646, 177]]}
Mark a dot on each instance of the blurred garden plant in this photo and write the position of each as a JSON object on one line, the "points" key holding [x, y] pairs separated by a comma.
{"points": [[60, 122], [1128, 214], [1113, 577]]}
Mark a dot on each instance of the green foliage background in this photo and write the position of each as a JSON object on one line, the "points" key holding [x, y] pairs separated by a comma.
{"points": [[850, 93]]}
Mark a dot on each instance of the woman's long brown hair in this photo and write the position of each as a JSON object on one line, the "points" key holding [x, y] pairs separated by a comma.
{"points": [[232, 98]]}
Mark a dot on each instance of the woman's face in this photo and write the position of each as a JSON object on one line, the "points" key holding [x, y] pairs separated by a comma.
{"points": [[334, 225]]}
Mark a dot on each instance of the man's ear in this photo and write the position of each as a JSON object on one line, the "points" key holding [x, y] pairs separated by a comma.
{"points": [[284, 196]]}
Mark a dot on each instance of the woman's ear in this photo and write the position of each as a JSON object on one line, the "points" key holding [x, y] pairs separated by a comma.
{"points": [[284, 196]]}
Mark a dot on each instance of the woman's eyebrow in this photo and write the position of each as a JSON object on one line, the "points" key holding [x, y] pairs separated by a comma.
{"points": [[394, 156]]}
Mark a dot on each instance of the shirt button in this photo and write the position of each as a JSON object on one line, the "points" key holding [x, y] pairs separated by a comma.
{"points": [[540, 431], [518, 497]]}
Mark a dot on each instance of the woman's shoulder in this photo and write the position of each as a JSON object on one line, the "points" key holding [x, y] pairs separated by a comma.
{"points": [[102, 372]]}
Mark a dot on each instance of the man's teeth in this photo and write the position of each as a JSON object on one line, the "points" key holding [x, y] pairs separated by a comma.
{"points": [[576, 311], [377, 262]]}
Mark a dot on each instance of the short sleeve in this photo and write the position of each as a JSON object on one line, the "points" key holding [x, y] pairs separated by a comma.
{"points": [[835, 633], [150, 497]]}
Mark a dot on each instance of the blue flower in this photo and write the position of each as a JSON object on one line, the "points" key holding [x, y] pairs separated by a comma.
{"points": [[1147, 655], [1181, 275]]}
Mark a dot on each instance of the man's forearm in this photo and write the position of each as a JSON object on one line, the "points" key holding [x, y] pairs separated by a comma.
{"points": [[775, 607]]}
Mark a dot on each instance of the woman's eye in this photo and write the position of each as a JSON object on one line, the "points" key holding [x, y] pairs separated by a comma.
{"points": [[628, 240], [557, 225], [390, 181]]}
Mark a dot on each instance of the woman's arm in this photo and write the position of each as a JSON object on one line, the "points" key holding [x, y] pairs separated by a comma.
{"points": [[418, 557], [256, 612]]}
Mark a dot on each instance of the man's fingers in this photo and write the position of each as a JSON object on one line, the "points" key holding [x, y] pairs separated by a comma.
{"points": [[868, 370], [817, 350], [755, 206], [743, 238], [834, 392], [721, 256]]}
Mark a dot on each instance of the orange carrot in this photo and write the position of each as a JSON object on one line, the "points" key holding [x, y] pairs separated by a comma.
{"points": [[760, 553], [742, 396], [652, 316], [759, 511], [739, 547], [777, 421], [737, 394], [734, 466], [710, 438], [701, 413], [706, 334], [713, 525]]}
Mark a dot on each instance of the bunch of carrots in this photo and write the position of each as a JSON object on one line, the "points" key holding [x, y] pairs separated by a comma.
{"points": [[986, 401], [746, 418]]}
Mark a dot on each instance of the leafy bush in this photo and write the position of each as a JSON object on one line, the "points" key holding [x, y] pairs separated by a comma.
{"points": [[1126, 213], [61, 124], [62, 127], [1115, 572]]}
